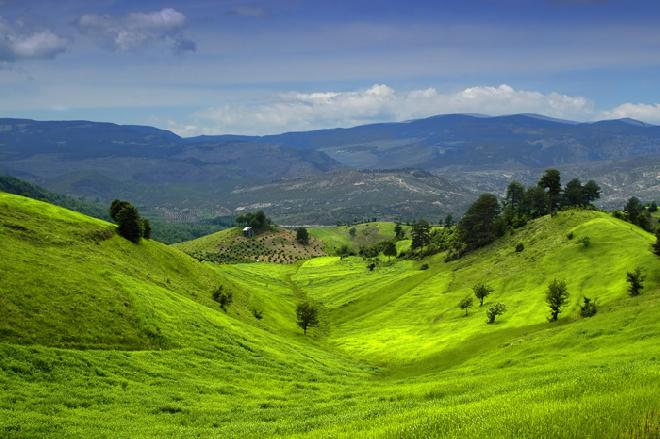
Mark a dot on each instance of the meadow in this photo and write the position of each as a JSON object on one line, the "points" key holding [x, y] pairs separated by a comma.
{"points": [[103, 338]]}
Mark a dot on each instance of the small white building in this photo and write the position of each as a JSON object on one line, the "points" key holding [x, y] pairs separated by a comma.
{"points": [[248, 232]]}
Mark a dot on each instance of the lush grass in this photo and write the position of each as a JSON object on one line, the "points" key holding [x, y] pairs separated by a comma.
{"points": [[393, 357], [365, 235]]}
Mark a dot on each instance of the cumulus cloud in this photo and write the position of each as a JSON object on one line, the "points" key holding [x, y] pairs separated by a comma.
{"points": [[17, 44], [378, 103], [138, 29], [645, 112]]}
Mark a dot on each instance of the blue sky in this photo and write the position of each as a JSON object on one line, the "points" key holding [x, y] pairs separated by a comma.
{"points": [[256, 67]]}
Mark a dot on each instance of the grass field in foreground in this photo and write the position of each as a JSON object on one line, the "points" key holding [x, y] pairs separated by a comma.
{"points": [[102, 338]]}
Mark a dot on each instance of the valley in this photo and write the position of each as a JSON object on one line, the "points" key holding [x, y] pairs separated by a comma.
{"points": [[101, 337]]}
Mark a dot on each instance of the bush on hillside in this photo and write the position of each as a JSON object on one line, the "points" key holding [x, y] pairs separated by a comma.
{"points": [[224, 298], [585, 241], [656, 246], [494, 311], [520, 247], [556, 297], [570, 236], [424, 267], [588, 307], [257, 313], [129, 224], [635, 281]]}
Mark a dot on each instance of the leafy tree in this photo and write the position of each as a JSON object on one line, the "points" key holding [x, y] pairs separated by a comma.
{"points": [[653, 207], [466, 303], [574, 193], [556, 297], [344, 251], [635, 282], [129, 223], [146, 229], [398, 232], [449, 220], [389, 249], [352, 231], [588, 308], [257, 220], [307, 315], [421, 234], [223, 297], [481, 224], [551, 183], [656, 246], [536, 201], [302, 235], [494, 311], [514, 203], [634, 209], [481, 291], [116, 207], [590, 192], [371, 266]]}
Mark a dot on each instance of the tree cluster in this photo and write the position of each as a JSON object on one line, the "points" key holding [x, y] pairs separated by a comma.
{"points": [[257, 220], [302, 236], [129, 223], [639, 214]]}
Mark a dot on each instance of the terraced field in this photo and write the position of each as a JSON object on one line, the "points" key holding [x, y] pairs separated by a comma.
{"points": [[103, 338]]}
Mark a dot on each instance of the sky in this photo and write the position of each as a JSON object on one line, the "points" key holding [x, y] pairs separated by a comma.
{"points": [[259, 67]]}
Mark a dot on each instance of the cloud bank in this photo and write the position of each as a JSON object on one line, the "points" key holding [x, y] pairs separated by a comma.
{"points": [[137, 30], [380, 103], [18, 44]]}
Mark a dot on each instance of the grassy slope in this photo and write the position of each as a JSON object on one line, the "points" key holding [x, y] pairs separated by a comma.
{"points": [[393, 357]]}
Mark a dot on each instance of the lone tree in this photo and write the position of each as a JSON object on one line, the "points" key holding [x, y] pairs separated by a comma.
{"points": [[389, 249], [421, 234], [116, 206], [302, 235], [466, 303], [494, 311], [449, 220], [307, 315], [399, 234], [635, 282], [482, 291], [129, 223], [556, 297], [224, 298]]}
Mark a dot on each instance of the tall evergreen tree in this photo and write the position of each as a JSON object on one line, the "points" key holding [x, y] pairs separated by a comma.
{"points": [[551, 183], [481, 224], [129, 224], [590, 192], [574, 193], [421, 234]]}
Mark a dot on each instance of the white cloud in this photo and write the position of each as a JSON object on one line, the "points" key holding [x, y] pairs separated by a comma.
{"points": [[378, 103], [17, 44], [649, 113], [138, 29]]}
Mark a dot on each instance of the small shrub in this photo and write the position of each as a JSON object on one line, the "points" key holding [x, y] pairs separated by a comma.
{"points": [[257, 313], [585, 241], [371, 266], [570, 236], [588, 308], [224, 298], [520, 247], [636, 282], [466, 303], [424, 267]]}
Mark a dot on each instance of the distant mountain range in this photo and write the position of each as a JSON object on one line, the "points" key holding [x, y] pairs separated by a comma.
{"points": [[216, 175]]}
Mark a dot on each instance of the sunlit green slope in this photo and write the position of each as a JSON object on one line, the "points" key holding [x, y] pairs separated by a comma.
{"points": [[103, 338]]}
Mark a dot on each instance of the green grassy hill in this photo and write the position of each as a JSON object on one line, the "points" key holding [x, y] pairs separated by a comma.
{"points": [[103, 338]]}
